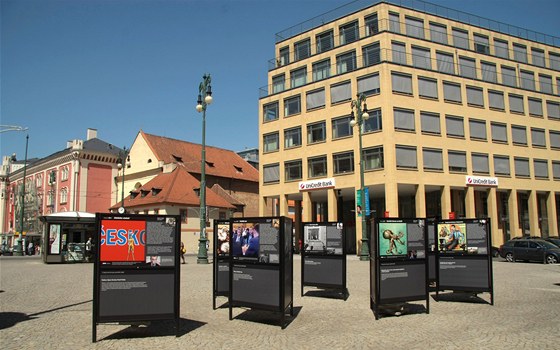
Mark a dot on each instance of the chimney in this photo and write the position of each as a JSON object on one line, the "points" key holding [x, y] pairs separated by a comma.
{"points": [[91, 134], [69, 144]]}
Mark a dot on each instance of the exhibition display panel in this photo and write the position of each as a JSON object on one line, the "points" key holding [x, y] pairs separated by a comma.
{"points": [[136, 269], [398, 263], [432, 252], [323, 257], [220, 281], [464, 256], [261, 265]]}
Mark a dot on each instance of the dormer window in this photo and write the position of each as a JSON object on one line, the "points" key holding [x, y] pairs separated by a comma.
{"points": [[155, 191], [210, 164], [177, 158], [197, 191], [238, 168], [144, 193], [133, 194]]}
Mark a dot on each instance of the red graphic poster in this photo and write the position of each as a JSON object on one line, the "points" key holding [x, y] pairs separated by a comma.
{"points": [[123, 240]]}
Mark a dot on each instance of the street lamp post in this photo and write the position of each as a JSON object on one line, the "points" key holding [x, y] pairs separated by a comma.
{"points": [[204, 99], [123, 162], [358, 119], [19, 248]]}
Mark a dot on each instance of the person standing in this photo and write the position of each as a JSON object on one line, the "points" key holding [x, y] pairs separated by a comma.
{"points": [[88, 250], [183, 251]]}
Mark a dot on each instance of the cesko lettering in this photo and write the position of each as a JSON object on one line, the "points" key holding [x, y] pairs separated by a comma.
{"points": [[481, 181], [316, 184], [121, 237]]}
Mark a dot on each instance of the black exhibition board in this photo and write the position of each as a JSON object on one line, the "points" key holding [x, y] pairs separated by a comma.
{"points": [[220, 280]]}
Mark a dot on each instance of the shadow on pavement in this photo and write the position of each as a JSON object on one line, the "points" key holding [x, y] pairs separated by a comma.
{"points": [[464, 297], [267, 317], [327, 293], [164, 328], [10, 319]]}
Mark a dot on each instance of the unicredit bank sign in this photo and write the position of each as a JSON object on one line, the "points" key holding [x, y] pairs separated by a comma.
{"points": [[481, 181], [316, 184]]}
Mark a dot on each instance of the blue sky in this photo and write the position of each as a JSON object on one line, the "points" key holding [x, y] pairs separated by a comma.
{"points": [[123, 65]]}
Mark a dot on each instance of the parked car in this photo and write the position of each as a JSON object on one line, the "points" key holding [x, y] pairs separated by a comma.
{"points": [[553, 240], [530, 249]]}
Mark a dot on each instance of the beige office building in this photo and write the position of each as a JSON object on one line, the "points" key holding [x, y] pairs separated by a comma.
{"points": [[464, 120]]}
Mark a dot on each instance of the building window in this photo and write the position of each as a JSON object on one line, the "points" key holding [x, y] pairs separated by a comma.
{"points": [[480, 163], [501, 165], [298, 77], [63, 196], [537, 57], [489, 72], [374, 122], [371, 54], [554, 61], [401, 83], [499, 132], [496, 100], [292, 137], [315, 99], [427, 88], [460, 38], [399, 52], [348, 33], [271, 173], [278, 83], [340, 92], [451, 92], [414, 27], [481, 44], [316, 132], [317, 166], [445, 63], [373, 158], [527, 80], [302, 49], [541, 168], [183, 214], [516, 104], [474, 96], [369, 85], [467, 67], [454, 126], [553, 109], [430, 123], [325, 41], [545, 83], [64, 174], [477, 129], [394, 22], [270, 111], [538, 138], [292, 170], [554, 139], [509, 76], [406, 157], [284, 56], [270, 142], [556, 170], [438, 33], [372, 26], [292, 105], [501, 48], [321, 70], [343, 163], [341, 127], [421, 58], [521, 166], [404, 119], [346, 62], [520, 53], [519, 135], [39, 180], [535, 107], [433, 159]]}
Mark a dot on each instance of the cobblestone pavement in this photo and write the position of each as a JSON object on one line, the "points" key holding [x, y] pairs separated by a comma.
{"points": [[50, 307]]}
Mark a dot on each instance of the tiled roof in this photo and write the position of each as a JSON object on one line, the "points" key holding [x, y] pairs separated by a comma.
{"points": [[176, 187], [219, 162], [219, 190]]}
